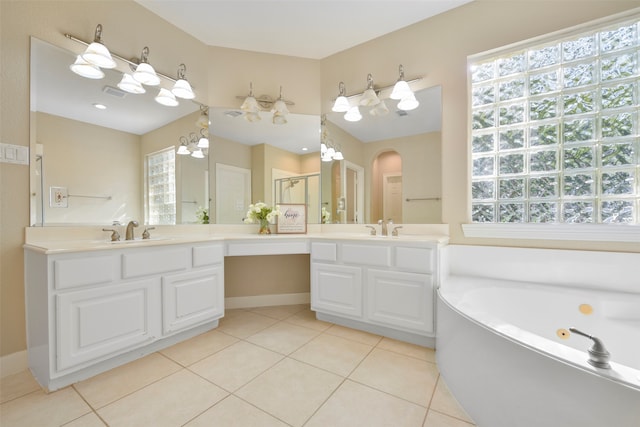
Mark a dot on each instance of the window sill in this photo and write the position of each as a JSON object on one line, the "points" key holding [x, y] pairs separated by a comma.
{"points": [[585, 232]]}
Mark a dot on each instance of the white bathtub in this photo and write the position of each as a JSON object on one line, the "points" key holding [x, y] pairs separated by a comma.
{"points": [[499, 311]]}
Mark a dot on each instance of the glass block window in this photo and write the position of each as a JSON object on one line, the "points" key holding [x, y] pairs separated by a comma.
{"points": [[160, 184], [555, 129]]}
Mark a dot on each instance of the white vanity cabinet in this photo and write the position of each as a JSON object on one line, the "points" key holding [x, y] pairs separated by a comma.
{"points": [[89, 311], [384, 286]]}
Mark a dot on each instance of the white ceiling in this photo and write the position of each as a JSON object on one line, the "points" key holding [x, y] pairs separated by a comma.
{"points": [[303, 28]]}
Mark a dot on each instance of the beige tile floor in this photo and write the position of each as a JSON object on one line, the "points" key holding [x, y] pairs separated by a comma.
{"points": [[268, 366]]}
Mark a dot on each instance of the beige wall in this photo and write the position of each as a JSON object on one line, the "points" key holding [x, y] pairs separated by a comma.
{"points": [[89, 160], [436, 49]]}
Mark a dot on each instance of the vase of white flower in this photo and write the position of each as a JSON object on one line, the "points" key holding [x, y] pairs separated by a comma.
{"points": [[262, 214]]}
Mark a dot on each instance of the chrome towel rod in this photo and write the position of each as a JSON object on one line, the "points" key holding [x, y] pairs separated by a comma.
{"points": [[422, 198], [90, 197]]}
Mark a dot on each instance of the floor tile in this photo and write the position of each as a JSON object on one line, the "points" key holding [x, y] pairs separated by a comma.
{"points": [[16, 385], [399, 375], [283, 337], [354, 335], [307, 319], [170, 402], [335, 354], [89, 420], [290, 391], [110, 386], [443, 401], [280, 312], [408, 349], [198, 347], [234, 412], [43, 410], [244, 324], [354, 405], [236, 365], [436, 419]]}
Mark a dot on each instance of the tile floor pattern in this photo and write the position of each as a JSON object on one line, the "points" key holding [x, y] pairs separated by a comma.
{"points": [[263, 367]]}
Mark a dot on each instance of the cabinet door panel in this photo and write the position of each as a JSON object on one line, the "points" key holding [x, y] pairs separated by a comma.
{"points": [[105, 321], [192, 298], [336, 288], [400, 299]]}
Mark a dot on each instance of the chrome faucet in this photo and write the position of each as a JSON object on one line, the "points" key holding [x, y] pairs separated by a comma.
{"points": [[598, 354], [129, 233], [383, 225]]}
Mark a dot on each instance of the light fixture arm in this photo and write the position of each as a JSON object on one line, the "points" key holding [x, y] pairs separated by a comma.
{"points": [[342, 90], [401, 72], [381, 89], [144, 56], [369, 81], [97, 38], [182, 70]]}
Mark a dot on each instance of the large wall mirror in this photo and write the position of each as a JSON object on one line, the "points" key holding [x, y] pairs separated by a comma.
{"points": [[97, 167], [391, 166]]}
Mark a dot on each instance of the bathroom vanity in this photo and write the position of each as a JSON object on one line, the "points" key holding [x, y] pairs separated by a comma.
{"points": [[92, 306]]}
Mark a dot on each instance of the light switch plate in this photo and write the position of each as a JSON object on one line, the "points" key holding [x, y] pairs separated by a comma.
{"points": [[16, 154], [58, 197]]}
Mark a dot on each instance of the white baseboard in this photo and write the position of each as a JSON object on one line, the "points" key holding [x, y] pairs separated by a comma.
{"points": [[267, 300], [13, 363]]}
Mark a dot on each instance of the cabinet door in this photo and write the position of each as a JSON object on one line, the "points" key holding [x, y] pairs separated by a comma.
{"points": [[336, 289], [401, 300], [192, 298], [105, 321]]}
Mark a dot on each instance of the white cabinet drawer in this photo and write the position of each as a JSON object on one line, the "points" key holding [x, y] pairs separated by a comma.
{"points": [[72, 272], [208, 255], [324, 251], [154, 261], [366, 255], [420, 260]]}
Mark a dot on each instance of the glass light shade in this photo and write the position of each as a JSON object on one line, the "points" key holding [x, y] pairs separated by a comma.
{"points": [[85, 69], [323, 147], [129, 84], [326, 157], [98, 55], [203, 143], [280, 107], [408, 103], [198, 154], [400, 90], [379, 110], [338, 156], [341, 105], [203, 121], [183, 150], [250, 105], [279, 119], [252, 117], [369, 98], [146, 75], [353, 115], [182, 89], [165, 97]]}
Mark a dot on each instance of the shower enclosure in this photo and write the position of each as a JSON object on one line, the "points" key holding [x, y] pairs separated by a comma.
{"points": [[302, 189]]}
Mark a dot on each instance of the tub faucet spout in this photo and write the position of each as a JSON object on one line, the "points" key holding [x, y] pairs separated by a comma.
{"points": [[598, 354], [129, 233]]}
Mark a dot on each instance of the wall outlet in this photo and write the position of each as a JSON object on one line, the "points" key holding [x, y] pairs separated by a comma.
{"points": [[58, 197]]}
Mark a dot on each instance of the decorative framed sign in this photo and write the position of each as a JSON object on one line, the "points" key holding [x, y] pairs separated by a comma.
{"points": [[292, 219]]}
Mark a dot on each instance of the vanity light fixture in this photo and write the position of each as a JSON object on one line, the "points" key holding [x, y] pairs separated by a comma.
{"points": [[328, 149], [408, 103], [203, 120], [369, 96], [182, 88], [85, 69], [203, 142], [191, 145], [165, 97], [131, 85], [183, 150], [145, 73], [250, 106], [97, 53], [401, 89], [341, 105], [280, 110], [353, 115]]}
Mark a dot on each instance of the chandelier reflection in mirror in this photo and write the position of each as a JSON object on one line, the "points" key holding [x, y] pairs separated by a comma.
{"points": [[329, 150], [97, 56], [252, 106], [194, 145], [373, 98]]}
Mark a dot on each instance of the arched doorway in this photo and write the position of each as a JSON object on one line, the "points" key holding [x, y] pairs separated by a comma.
{"points": [[386, 186]]}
